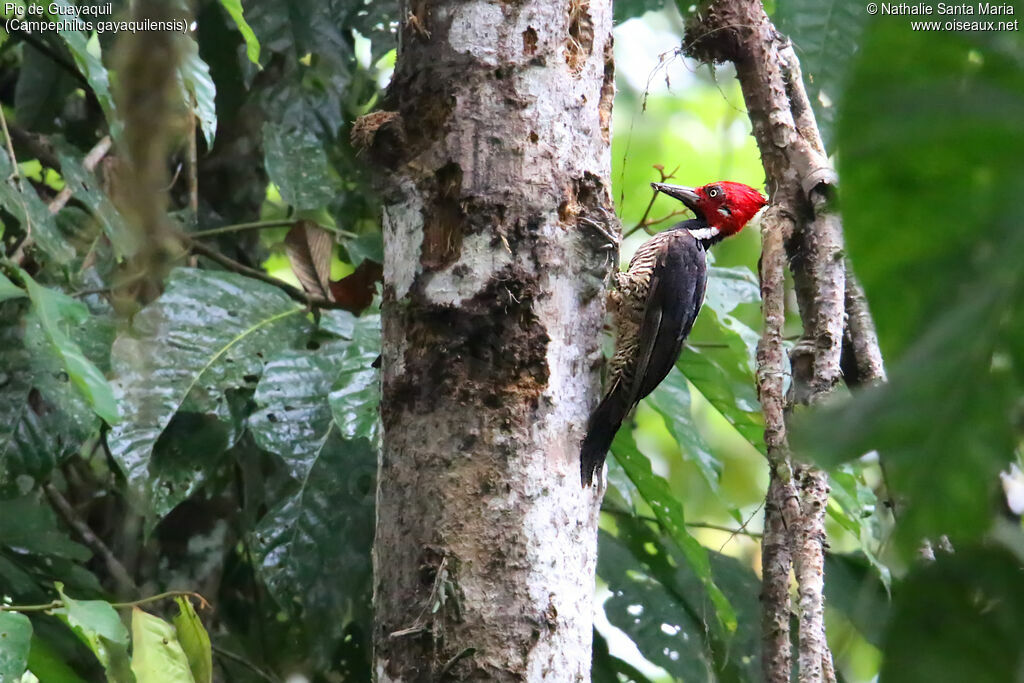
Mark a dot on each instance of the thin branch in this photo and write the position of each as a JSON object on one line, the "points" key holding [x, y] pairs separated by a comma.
{"points": [[15, 175], [643, 223], [260, 225], [193, 163], [57, 604], [235, 266], [90, 539], [239, 659]]}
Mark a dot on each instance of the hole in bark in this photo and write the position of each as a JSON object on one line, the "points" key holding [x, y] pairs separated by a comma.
{"points": [[445, 220], [534, 137], [580, 42], [604, 105], [529, 41]]}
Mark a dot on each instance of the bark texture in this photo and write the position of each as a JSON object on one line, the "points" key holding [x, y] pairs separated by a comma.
{"points": [[496, 136], [838, 342], [782, 510]]}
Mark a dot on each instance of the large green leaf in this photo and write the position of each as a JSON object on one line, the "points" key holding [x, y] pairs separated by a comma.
{"points": [[252, 44], [15, 640], [43, 85], [666, 585], [56, 312], [854, 586], [313, 549], [30, 211], [926, 112], [195, 641], [317, 409], [98, 625], [662, 628], [825, 35], [296, 163], [672, 400], [669, 512], [157, 656], [200, 90], [606, 668], [720, 370], [209, 332], [86, 188], [28, 525], [88, 59], [45, 417], [957, 619]]}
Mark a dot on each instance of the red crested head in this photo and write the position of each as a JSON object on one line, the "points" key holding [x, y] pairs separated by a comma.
{"points": [[725, 206]]}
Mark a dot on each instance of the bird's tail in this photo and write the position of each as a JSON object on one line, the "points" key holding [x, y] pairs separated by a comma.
{"points": [[604, 423]]}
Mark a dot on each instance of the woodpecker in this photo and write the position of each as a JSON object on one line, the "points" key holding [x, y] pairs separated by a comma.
{"points": [[656, 301]]}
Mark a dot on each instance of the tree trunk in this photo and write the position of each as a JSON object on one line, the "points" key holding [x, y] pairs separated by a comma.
{"points": [[496, 138]]}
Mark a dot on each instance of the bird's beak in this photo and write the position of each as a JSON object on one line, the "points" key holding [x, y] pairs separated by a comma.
{"points": [[687, 195]]}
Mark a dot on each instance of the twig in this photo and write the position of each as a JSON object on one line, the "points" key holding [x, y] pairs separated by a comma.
{"points": [[91, 160], [193, 162], [90, 539], [57, 604], [239, 659], [643, 224], [234, 266], [260, 225], [15, 175]]}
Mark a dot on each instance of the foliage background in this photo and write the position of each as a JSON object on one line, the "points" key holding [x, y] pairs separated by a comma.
{"points": [[220, 438]]}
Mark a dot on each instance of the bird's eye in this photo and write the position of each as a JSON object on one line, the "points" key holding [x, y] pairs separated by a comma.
{"points": [[713, 192]]}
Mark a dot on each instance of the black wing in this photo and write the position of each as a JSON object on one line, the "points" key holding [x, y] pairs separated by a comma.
{"points": [[676, 294]]}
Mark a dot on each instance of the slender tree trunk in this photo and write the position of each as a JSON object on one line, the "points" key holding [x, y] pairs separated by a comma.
{"points": [[495, 134]]}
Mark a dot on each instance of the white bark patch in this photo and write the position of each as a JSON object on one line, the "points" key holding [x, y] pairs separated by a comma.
{"points": [[478, 262], [403, 235], [475, 31]]}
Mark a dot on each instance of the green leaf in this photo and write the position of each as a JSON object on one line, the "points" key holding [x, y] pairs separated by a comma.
{"points": [[33, 215], [195, 641], [628, 9], [293, 417], [28, 525], [157, 656], [958, 618], [55, 312], [320, 533], [296, 163], [98, 625], [252, 45], [47, 662], [734, 657], [9, 290], [43, 86], [854, 586], [15, 640], [209, 332], [355, 395], [669, 512], [606, 668], [825, 35], [46, 417], [200, 90], [720, 367], [925, 112], [86, 188], [88, 61], [672, 400]]}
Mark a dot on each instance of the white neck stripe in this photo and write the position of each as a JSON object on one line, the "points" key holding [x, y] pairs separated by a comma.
{"points": [[705, 233]]}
